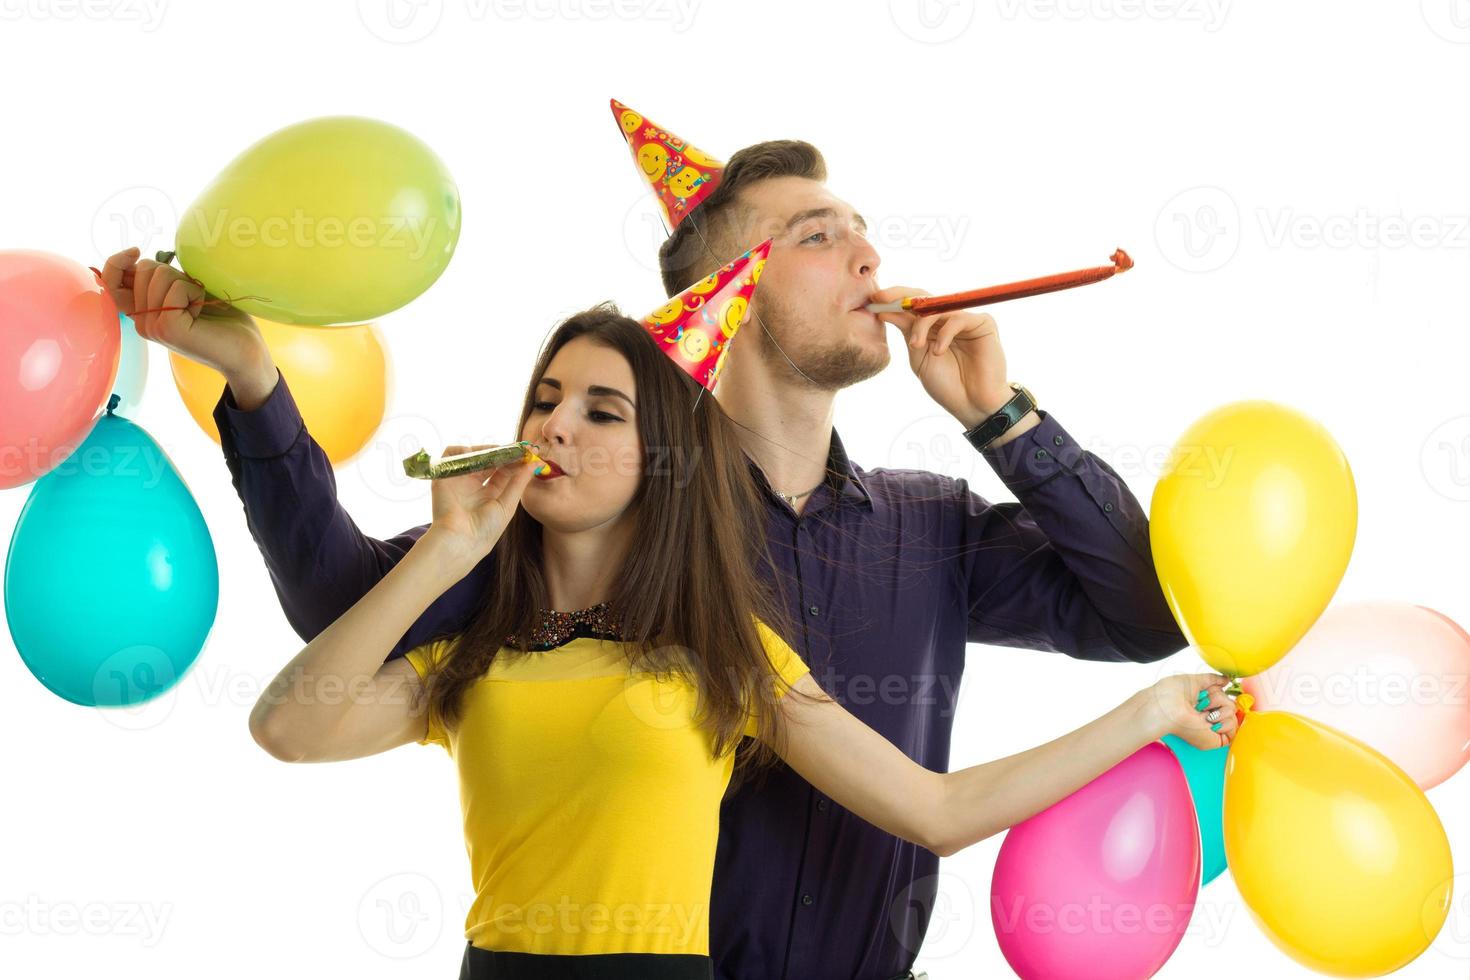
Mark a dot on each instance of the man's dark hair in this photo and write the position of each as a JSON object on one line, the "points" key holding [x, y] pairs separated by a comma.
{"points": [[710, 235]]}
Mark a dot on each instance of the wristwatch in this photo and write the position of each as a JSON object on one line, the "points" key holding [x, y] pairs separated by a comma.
{"points": [[1009, 414]]}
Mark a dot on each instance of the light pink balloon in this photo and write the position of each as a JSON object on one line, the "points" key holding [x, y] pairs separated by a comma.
{"points": [[1391, 674], [1101, 885], [59, 349]]}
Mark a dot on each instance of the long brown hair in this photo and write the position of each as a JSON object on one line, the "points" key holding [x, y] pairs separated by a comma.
{"points": [[690, 588]]}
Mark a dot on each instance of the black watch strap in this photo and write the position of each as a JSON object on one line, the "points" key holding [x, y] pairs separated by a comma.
{"points": [[1009, 414]]}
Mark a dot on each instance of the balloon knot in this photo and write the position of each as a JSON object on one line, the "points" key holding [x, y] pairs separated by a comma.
{"points": [[112, 402], [1245, 702]]}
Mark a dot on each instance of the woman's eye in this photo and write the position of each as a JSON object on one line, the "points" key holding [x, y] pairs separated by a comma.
{"points": [[542, 406], [605, 417]]}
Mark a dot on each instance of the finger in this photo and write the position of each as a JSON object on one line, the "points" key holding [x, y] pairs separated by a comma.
{"points": [[142, 272], [116, 266], [185, 295], [944, 333], [158, 285], [903, 321], [919, 335]]}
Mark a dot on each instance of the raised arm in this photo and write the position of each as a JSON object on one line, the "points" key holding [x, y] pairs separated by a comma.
{"points": [[945, 812], [320, 562], [338, 699], [1067, 567]]}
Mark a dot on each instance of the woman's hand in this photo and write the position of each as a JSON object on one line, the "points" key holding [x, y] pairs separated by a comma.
{"points": [[1171, 709], [216, 335], [471, 510]]}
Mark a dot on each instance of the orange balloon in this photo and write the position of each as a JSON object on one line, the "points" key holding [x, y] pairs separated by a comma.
{"points": [[338, 378]]}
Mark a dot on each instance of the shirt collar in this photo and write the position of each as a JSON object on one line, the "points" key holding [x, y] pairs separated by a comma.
{"points": [[848, 478]]}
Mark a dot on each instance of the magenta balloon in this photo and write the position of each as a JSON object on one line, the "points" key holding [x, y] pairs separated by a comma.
{"points": [[59, 349], [1391, 674], [1101, 885]]}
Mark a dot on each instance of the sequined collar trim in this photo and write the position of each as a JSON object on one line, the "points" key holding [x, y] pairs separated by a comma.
{"points": [[555, 628]]}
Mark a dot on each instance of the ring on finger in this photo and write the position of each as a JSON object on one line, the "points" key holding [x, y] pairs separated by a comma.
{"points": [[1212, 715]]}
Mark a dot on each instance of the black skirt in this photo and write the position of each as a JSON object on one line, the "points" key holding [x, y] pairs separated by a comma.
{"points": [[485, 964]]}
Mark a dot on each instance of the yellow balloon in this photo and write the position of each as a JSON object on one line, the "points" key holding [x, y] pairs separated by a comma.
{"points": [[1337, 853], [338, 379], [1252, 525], [334, 220]]}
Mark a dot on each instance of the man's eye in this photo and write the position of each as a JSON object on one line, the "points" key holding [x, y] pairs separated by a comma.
{"points": [[815, 234]]}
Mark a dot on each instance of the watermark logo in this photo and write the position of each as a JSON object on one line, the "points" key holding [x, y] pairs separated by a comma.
{"points": [[932, 21], [1444, 458], [401, 916], [1198, 230]]}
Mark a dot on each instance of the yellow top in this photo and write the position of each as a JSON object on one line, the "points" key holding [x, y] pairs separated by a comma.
{"points": [[591, 800]]}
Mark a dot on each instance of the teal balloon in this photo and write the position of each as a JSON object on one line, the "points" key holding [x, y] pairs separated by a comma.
{"points": [[1204, 769], [132, 368], [111, 583]]}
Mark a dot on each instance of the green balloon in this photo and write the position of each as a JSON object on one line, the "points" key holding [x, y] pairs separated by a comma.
{"points": [[330, 221]]}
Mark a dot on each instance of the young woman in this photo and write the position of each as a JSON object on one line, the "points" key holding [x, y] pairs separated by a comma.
{"points": [[594, 746]]}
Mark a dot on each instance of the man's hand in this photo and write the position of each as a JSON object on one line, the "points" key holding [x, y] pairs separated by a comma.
{"points": [[215, 335], [958, 358]]}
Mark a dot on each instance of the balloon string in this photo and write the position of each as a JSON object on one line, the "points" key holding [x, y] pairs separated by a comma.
{"points": [[207, 302]]}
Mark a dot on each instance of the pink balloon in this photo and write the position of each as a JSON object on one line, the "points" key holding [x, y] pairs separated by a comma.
{"points": [[1101, 885], [1391, 674], [59, 349]]}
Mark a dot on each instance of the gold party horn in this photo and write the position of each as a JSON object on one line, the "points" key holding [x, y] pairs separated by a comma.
{"points": [[419, 467]]}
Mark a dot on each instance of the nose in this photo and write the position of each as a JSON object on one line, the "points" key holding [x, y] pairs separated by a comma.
{"points": [[556, 430], [865, 257]]}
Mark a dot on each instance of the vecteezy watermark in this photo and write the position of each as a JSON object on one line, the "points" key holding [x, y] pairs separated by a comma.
{"points": [[1453, 938], [1208, 13], [1091, 915], [1444, 458], [932, 21], [299, 229], [401, 916], [1450, 19], [147, 14], [566, 916], [380, 464], [1363, 229], [644, 235], [1198, 230], [1201, 229], [33, 916], [936, 911], [936, 443], [407, 21], [1363, 687], [33, 460], [140, 215]]}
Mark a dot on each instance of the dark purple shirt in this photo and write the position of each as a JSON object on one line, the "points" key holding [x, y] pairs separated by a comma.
{"points": [[888, 575]]}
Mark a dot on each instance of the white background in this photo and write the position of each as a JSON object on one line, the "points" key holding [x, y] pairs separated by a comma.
{"points": [[1253, 158]]}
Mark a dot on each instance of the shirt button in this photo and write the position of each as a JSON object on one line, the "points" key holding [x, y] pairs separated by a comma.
{"points": [[1057, 440], [1041, 454], [1108, 507], [813, 609], [822, 806], [807, 900]]}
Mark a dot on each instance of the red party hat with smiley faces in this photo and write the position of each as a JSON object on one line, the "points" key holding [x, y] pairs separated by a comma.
{"points": [[680, 174], [695, 328]]}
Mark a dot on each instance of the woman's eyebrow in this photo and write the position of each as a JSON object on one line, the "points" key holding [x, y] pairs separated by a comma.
{"points": [[594, 390], [604, 390]]}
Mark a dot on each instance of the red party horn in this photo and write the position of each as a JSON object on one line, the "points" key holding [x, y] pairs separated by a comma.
{"points": [[926, 305]]}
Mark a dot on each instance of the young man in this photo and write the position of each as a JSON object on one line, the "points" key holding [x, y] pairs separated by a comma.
{"points": [[889, 573]]}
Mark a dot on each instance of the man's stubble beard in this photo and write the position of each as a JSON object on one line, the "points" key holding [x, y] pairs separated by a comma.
{"points": [[830, 368]]}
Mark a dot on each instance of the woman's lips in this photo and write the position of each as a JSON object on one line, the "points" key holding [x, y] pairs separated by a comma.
{"points": [[554, 470]]}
